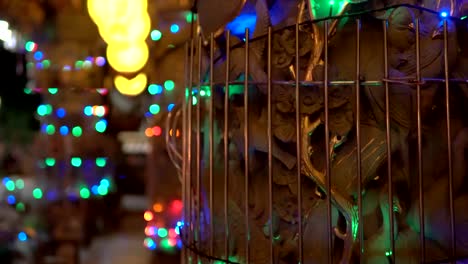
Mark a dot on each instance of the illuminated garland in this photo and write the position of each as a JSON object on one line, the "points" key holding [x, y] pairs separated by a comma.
{"points": [[42, 63]]}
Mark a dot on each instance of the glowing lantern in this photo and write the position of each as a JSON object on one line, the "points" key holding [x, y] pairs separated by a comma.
{"points": [[131, 87], [124, 57]]}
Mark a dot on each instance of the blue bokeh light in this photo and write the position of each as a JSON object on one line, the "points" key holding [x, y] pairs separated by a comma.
{"points": [[38, 55], [170, 107], [22, 236], [95, 189], [11, 199], [61, 113], [64, 130], [175, 28], [88, 110]]}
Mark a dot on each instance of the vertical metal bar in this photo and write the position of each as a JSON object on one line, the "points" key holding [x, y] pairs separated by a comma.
{"points": [[211, 139], [298, 151], [189, 151], [449, 145], [422, 240], [198, 150], [184, 151], [327, 145], [226, 146], [270, 148], [246, 145], [358, 132], [391, 254]]}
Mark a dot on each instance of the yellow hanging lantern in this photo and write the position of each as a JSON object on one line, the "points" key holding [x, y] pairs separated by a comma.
{"points": [[127, 57], [134, 30], [131, 87]]}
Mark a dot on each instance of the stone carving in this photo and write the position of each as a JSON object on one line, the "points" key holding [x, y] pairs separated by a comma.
{"points": [[342, 145]]}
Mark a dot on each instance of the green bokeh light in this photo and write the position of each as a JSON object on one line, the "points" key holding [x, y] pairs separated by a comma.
{"points": [[162, 232], [50, 129], [101, 126], [20, 184], [53, 90], [169, 85], [154, 109], [20, 207], [37, 193], [46, 64], [79, 64], [50, 162], [101, 162], [77, 131], [156, 35], [42, 110], [76, 161], [29, 46], [103, 190], [84, 193], [10, 185]]}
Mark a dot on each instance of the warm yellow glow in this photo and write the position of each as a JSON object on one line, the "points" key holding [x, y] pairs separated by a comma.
{"points": [[124, 25], [136, 29], [105, 12], [127, 57], [131, 87]]}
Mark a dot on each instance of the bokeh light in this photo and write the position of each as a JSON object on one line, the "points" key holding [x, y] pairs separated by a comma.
{"points": [[156, 35]]}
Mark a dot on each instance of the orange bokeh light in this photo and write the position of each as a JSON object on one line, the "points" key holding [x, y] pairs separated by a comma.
{"points": [[148, 216], [149, 132], [157, 207]]}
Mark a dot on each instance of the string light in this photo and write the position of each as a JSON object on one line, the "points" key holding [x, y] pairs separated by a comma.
{"points": [[61, 113], [101, 162], [154, 109], [63, 130], [76, 161], [170, 107], [84, 193], [148, 216], [156, 35], [175, 28], [50, 129], [169, 85], [77, 131], [50, 162], [30, 46], [37, 193], [101, 126], [154, 89], [38, 55]]}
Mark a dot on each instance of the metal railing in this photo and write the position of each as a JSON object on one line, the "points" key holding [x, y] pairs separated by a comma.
{"points": [[237, 208]]}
